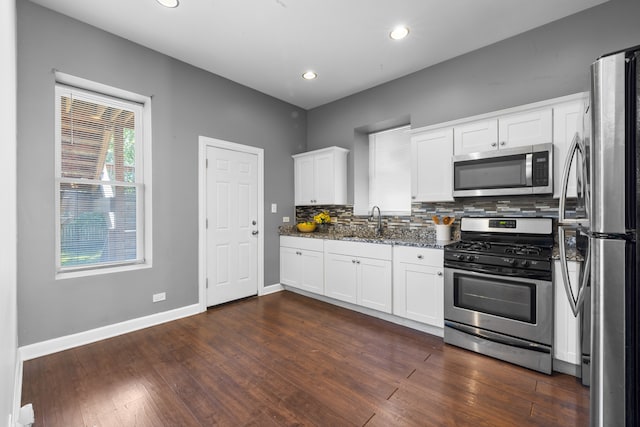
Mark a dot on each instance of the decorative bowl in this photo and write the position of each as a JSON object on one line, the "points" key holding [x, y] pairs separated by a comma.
{"points": [[306, 227]]}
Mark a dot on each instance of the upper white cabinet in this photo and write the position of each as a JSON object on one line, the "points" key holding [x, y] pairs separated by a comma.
{"points": [[505, 131], [418, 284], [476, 136], [566, 343], [567, 121], [321, 177], [359, 273], [431, 169]]}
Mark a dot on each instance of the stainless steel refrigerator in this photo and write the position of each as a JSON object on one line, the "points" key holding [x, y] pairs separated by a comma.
{"points": [[606, 224]]}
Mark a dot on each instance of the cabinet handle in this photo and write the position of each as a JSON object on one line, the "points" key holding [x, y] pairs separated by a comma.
{"points": [[503, 143], [493, 144], [439, 273], [420, 257], [353, 261], [357, 262], [413, 197]]}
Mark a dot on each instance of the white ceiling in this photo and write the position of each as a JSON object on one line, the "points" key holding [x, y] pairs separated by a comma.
{"points": [[268, 44]]}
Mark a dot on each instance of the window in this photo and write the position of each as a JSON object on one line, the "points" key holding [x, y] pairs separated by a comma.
{"points": [[390, 171], [101, 183]]}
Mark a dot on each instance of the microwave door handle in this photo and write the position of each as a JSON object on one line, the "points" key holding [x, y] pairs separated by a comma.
{"points": [[529, 169], [571, 154], [575, 302]]}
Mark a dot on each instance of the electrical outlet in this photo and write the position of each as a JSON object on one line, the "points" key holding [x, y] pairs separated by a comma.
{"points": [[159, 297], [274, 207], [285, 219]]}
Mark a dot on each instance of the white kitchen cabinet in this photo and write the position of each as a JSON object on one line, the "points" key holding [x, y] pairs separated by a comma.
{"points": [[525, 128], [566, 341], [302, 263], [476, 136], [567, 121], [321, 177], [431, 167], [359, 273], [505, 131], [418, 284]]}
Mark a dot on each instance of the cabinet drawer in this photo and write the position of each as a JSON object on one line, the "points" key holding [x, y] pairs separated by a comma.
{"points": [[359, 249], [421, 256], [306, 243]]}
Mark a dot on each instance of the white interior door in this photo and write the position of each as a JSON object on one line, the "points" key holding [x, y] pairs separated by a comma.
{"points": [[232, 225]]}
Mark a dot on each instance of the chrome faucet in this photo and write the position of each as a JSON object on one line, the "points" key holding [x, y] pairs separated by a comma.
{"points": [[379, 228]]}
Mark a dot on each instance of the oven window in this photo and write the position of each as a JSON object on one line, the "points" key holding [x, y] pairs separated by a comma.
{"points": [[503, 298], [499, 172]]}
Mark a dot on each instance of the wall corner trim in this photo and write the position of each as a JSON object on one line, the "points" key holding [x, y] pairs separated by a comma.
{"points": [[55, 345], [17, 391]]}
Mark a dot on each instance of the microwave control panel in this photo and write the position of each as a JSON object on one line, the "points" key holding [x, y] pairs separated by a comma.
{"points": [[540, 168]]}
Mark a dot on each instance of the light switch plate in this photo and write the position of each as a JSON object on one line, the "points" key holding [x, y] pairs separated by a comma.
{"points": [[285, 219], [274, 207]]}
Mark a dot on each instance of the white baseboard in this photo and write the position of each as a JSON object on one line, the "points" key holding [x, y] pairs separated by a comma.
{"points": [[277, 287], [55, 345]]}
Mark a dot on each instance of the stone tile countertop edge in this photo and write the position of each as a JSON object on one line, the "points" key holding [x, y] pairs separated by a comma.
{"points": [[416, 238]]}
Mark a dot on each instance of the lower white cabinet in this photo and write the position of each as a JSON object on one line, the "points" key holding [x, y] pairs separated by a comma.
{"points": [[359, 273], [302, 263], [566, 342], [418, 284]]}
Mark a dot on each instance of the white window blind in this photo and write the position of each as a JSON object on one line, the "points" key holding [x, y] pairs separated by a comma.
{"points": [[99, 180], [389, 171]]}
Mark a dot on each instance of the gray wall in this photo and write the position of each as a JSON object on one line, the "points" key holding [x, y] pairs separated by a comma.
{"points": [[543, 63], [8, 305], [187, 102]]}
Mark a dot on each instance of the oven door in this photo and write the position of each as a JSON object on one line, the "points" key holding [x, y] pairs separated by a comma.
{"points": [[516, 307]]}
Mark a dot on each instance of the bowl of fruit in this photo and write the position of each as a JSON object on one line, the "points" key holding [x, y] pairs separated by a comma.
{"points": [[306, 227]]}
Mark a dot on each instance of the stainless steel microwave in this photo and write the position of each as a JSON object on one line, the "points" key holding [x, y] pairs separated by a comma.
{"points": [[512, 171]]}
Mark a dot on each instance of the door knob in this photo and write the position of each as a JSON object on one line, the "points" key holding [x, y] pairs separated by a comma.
{"points": [[254, 232]]}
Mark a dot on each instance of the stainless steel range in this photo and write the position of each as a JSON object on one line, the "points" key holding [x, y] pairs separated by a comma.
{"points": [[498, 290]]}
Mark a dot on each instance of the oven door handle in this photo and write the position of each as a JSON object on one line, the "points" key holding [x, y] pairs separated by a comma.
{"points": [[514, 277], [497, 338]]}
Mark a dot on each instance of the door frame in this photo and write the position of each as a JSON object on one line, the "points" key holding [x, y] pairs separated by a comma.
{"points": [[203, 143]]}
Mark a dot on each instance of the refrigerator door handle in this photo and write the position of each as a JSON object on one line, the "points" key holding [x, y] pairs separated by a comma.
{"points": [[575, 301], [574, 148]]}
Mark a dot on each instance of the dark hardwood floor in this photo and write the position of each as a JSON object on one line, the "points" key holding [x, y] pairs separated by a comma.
{"points": [[285, 359]]}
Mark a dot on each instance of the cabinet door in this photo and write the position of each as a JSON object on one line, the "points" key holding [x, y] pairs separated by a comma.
{"points": [[567, 120], [527, 128], [340, 277], [323, 178], [476, 136], [419, 293], [290, 268], [304, 181], [566, 342], [374, 284], [312, 271], [431, 170]]}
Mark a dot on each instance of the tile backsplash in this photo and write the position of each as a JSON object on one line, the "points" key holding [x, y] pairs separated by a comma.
{"points": [[421, 212]]}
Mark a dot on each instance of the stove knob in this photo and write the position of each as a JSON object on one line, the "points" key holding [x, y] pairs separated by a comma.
{"points": [[524, 263], [512, 261], [472, 258], [460, 257]]}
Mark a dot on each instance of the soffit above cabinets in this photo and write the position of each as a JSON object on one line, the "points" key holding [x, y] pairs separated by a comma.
{"points": [[268, 44]]}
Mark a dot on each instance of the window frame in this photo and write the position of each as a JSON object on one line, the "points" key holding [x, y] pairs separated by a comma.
{"points": [[66, 84]]}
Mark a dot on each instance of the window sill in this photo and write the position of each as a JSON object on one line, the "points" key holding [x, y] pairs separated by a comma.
{"points": [[99, 271]]}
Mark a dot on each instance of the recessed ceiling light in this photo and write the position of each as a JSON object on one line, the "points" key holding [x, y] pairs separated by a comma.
{"points": [[309, 75], [399, 32], [168, 3]]}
